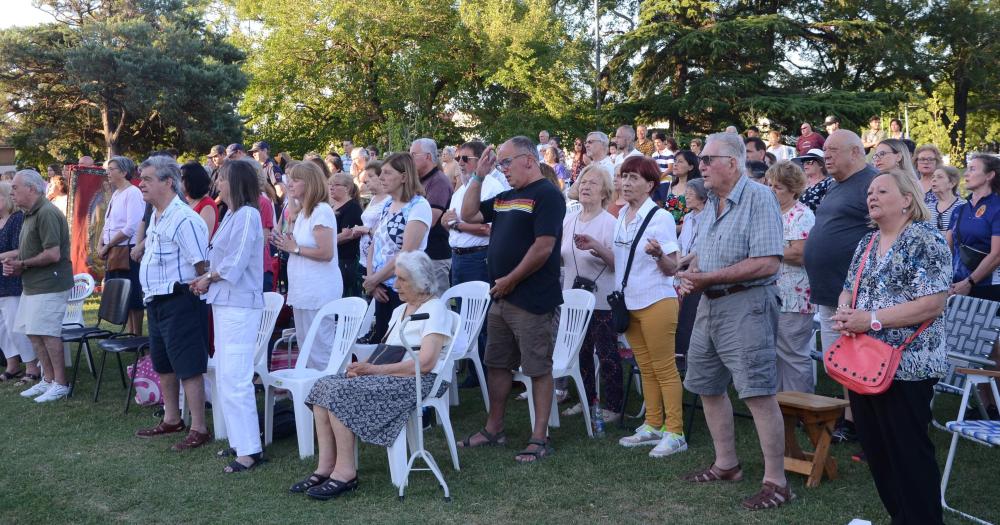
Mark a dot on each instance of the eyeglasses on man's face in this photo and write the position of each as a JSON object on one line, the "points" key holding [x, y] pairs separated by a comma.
{"points": [[505, 163], [708, 159]]}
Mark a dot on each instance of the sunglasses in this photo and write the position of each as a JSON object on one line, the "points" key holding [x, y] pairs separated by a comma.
{"points": [[465, 158]]}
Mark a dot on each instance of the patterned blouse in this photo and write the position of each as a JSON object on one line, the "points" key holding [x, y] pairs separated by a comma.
{"points": [[942, 219], [677, 206], [793, 283], [918, 264], [9, 235], [815, 193]]}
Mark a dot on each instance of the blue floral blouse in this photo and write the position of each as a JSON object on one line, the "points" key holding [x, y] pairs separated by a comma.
{"points": [[918, 264]]}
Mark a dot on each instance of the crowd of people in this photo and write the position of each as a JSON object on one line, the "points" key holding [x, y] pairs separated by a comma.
{"points": [[723, 252]]}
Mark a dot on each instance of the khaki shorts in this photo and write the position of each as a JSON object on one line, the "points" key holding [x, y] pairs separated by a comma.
{"points": [[734, 340], [516, 338], [41, 314]]}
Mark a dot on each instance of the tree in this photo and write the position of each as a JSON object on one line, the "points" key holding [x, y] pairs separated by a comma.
{"points": [[389, 71], [119, 76]]}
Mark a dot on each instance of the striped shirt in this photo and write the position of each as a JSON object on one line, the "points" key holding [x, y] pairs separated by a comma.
{"points": [[176, 241], [750, 226], [663, 159]]}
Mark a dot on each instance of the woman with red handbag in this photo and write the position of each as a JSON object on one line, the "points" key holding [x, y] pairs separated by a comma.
{"points": [[892, 306]]}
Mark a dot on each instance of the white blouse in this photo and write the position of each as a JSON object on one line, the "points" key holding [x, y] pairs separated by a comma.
{"points": [[312, 283], [646, 283], [124, 214]]}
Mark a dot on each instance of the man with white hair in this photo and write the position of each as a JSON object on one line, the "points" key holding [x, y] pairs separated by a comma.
{"points": [[176, 254], [437, 191], [543, 142], [841, 221], [625, 139], [42, 261], [739, 250], [359, 163], [597, 149]]}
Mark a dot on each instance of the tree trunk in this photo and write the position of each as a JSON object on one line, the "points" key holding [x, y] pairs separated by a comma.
{"points": [[960, 101]]}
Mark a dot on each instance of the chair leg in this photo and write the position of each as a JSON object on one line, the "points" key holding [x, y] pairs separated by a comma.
{"points": [[90, 356], [268, 414], [131, 382], [628, 386], [121, 369], [304, 429], [531, 401], [689, 424], [478, 365], [449, 434], [100, 376], [76, 369], [581, 391]]}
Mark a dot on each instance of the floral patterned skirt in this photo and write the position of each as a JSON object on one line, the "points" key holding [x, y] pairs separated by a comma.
{"points": [[375, 407]]}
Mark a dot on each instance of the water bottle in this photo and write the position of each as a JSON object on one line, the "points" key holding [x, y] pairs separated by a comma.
{"points": [[597, 415]]}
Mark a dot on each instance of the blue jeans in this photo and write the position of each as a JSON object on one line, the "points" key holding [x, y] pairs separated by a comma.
{"points": [[471, 267]]}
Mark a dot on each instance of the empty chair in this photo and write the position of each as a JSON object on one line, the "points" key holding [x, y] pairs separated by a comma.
{"points": [[348, 313], [474, 298], [574, 317], [112, 312], [83, 287]]}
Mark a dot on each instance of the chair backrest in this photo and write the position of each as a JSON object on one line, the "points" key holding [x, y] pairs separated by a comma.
{"points": [[348, 314], [448, 355], [474, 298], [971, 329], [368, 320], [83, 287], [574, 318], [273, 302], [114, 301]]}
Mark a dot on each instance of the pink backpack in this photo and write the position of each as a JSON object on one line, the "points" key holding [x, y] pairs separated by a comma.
{"points": [[147, 383]]}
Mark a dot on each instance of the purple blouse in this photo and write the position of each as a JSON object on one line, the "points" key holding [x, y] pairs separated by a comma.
{"points": [[9, 235]]}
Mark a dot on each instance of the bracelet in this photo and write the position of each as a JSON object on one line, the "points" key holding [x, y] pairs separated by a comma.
{"points": [[476, 177], [971, 280]]}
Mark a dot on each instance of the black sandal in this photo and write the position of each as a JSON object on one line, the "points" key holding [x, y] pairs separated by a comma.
{"points": [[332, 488], [492, 440], [227, 453], [308, 483], [542, 451], [7, 376], [235, 466]]}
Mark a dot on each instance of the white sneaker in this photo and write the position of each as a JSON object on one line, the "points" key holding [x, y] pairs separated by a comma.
{"points": [[523, 396], [644, 435], [573, 410], [37, 390], [670, 444], [56, 391]]}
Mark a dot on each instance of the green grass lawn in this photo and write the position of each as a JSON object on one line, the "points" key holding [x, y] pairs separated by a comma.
{"points": [[78, 462]]}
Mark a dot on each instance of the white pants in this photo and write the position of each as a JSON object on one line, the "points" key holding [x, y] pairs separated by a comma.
{"points": [[319, 355], [235, 337], [13, 344]]}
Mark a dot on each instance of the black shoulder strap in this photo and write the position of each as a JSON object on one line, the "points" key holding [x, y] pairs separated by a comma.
{"points": [[635, 242]]}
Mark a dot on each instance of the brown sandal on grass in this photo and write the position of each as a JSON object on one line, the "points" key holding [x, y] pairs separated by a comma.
{"points": [[770, 496], [28, 379], [714, 473]]}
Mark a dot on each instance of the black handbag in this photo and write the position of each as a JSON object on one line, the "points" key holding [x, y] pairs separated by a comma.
{"points": [[580, 282], [387, 354], [616, 300]]}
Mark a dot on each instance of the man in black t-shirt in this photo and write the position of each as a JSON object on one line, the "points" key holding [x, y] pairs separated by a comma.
{"points": [[523, 262]]}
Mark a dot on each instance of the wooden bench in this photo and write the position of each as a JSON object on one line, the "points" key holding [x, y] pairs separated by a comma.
{"points": [[818, 415]]}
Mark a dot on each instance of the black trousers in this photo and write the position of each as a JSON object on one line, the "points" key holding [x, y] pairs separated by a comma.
{"points": [[893, 431]]}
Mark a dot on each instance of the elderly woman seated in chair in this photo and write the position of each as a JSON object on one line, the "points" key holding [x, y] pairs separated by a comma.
{"points": [[374, 399]]}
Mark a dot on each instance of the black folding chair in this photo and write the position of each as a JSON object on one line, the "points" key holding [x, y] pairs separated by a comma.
{"points": [[112, 312], [119, 344]]}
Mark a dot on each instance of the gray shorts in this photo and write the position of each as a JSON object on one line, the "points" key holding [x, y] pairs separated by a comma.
{"points": [[733, 339], [517, 338]]}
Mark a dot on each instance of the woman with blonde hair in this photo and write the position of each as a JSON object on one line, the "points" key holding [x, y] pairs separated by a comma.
{"points": [[403, 226], [313, 273], [926, 159], [15, 346], [893, 153]]}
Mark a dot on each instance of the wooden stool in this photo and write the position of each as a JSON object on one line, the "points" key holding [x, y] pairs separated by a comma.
{"points": [[818, 415]]}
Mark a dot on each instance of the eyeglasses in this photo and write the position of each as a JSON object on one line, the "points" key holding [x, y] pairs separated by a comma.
{"points": [[926, 159], [465, 158], [505, 163], [810, 161], [878, 155], [708, 159]]}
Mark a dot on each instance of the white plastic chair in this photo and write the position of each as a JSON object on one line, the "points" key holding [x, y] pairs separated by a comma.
{"points": [[363, 351], [574, 318], [348, 312], [412, 433], [475, 302], [83, 287], [273, 302]]}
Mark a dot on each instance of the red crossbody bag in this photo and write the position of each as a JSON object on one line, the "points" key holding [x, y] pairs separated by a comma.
{"points": [[860, 362]]}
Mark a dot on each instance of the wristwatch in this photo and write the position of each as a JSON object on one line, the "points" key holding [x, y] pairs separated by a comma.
{"points": [[876, 324], [297, 250]]}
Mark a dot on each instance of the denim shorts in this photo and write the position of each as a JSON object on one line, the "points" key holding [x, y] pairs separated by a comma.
{"points": [[734, 340]]}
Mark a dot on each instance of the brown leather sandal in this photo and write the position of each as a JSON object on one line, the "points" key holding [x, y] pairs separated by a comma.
{"points": [[194, 439], [160, 429], [714, 473], [770, 496]]}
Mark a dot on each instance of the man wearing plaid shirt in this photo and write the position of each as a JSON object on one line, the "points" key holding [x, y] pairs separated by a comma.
{"points": [[738, 254]]}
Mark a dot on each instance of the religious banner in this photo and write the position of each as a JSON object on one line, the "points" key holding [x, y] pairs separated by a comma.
{"points": [[89, 193]]}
